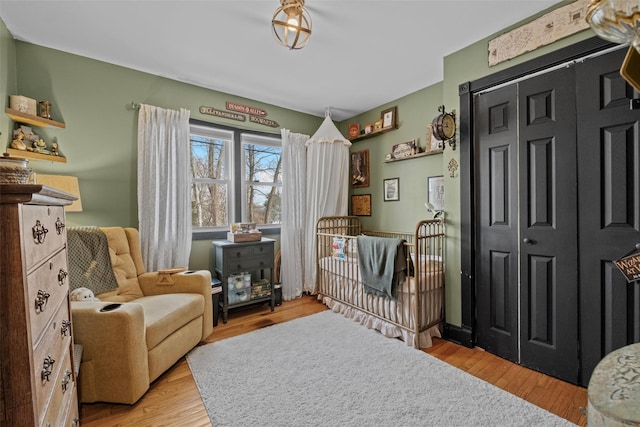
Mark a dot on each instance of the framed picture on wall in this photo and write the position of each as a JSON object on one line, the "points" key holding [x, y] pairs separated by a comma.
{"points": [[360, 169], [435, 192], [391, 189], [388, 117], [361, 204]]}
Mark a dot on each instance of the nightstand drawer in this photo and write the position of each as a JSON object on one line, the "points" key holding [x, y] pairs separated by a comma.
{"points": [[239, 265], [243, 252]]}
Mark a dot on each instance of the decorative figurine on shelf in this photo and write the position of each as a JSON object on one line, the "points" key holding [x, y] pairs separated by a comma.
{"points": [[54, 148], [45, 109], [18, 140], [40, 146]]}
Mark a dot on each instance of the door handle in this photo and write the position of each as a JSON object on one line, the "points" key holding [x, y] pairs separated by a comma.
{"points": [[528, 241]]}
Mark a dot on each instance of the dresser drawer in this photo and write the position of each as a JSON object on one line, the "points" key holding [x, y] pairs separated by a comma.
{"points": [[47, 287], [49, 357], [44, 231], [73, 416], [63, 393]]}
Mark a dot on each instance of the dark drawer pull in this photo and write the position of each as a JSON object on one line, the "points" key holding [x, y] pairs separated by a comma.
{"points": [[39, 232], [65, 328], [66, 380], [47, 366], [41, 300], [59, 226], [62, 276], [238, 254]]}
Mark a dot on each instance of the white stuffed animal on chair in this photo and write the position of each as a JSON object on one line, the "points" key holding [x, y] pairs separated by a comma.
{"points": [[83, 294]]}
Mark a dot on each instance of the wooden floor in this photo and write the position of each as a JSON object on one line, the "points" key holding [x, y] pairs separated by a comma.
{"points": [[173, 399]]}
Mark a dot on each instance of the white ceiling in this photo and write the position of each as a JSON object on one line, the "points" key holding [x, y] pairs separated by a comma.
{"points": [[362, 53]]}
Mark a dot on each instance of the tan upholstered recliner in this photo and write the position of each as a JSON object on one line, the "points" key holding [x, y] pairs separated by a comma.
{"points": [[161, 318]]}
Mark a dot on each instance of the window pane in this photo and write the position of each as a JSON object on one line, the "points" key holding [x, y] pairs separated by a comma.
{"points": [[264, 204], [209, 205], [207, 157], [262, 163]]}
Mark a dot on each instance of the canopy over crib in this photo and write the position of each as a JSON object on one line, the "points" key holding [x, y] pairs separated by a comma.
{"points": [[328, 132]]}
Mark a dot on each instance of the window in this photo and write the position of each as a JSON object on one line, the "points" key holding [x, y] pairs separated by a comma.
{"points": [[237, 177], [262, 179], [211, 160]]}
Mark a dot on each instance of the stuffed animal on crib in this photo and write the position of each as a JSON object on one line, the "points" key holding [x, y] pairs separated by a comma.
{"points": [[84, 295]]}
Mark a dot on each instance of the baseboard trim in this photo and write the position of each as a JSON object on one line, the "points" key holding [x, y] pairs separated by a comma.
{"points": [[459, 335]]}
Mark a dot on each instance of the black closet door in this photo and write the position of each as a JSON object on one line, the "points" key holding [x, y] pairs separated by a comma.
{"points": [[609, 215], [548, 228], [526, 279]]}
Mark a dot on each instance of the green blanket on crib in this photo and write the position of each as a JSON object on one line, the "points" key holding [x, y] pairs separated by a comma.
{"points": [[382, 262]]}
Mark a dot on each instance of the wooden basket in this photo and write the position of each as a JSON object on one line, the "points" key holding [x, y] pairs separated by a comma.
{"points": [[244, 237]]}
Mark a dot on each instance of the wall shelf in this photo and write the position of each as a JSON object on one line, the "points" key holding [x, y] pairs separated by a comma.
{"points": [[426, 153], [36, 156], [374, 133], [21, 117]]}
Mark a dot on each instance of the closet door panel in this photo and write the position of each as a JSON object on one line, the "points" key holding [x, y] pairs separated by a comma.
{"points": [[609, 209], [548, 230], [497, 223]]}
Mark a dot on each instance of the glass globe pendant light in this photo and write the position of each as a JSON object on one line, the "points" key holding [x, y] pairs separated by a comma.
{"points": [[616, 20]]}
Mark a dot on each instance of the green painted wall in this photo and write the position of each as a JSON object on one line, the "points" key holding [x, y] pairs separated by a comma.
{"points": [[415, 112], [8, 79]]}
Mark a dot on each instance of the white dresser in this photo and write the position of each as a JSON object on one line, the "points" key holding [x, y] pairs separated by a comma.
{"points": [[37, 379]]}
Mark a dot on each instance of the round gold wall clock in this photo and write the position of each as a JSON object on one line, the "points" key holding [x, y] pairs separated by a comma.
{"points": [[444, 126]]}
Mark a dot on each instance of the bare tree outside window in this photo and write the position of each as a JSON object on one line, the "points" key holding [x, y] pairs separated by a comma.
{"points": [[209, 191], [263, 178]]}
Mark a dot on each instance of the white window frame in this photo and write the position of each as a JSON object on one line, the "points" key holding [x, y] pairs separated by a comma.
{"points": [[234, 178], [229, 168]]}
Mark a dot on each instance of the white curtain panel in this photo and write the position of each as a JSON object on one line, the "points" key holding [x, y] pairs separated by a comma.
{"points": [[327, 188], [164, 183], [292, 247]]}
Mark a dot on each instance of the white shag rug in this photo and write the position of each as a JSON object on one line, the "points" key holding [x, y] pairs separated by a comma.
{"points": [[326, 370]]}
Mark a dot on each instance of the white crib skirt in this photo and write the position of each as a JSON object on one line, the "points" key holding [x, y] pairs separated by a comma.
{"points": [[342, 292]]}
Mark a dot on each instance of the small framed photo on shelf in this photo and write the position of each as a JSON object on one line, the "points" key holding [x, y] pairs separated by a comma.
{"points": [[391, 189], [388, 117], [360, 169], [435, 192], [361, 204], [377, 125], [428, 137]]}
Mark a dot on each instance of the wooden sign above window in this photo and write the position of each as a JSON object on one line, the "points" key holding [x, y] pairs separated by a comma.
{"points": [[256, 115], [240, 108], [224, 114]]}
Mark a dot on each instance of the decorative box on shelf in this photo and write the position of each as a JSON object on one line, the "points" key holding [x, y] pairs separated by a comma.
{"points": [[23, 104], [260, 289], [244, 237]]}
